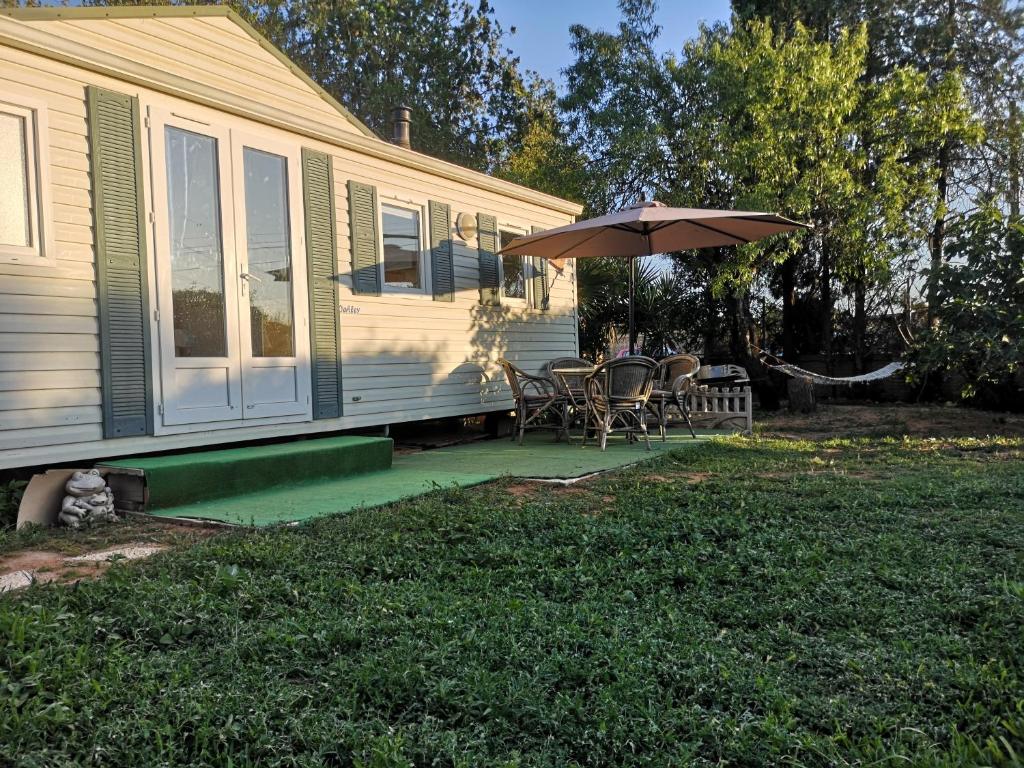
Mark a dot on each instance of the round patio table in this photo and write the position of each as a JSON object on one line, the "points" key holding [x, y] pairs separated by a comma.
{"points": [[576, 398]]}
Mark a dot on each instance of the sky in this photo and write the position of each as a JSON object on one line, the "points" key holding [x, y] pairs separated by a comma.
{"points": [[541, 39]]}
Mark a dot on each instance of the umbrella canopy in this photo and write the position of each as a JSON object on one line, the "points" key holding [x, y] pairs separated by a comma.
{"points": [[648, 228]]}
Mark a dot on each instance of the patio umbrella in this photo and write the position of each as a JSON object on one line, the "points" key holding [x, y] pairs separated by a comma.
{"points": [[648, 228]]}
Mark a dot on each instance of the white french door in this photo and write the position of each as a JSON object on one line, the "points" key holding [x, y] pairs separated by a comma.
{"points": [[273, 299], [231, 282]]}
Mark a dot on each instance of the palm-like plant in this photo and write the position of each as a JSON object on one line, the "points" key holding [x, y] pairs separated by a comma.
{"points": [[666, 306]]}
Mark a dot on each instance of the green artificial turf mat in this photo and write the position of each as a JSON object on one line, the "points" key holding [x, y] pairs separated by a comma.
{"points": [[418, 473], [186, 478], [541, 457]]}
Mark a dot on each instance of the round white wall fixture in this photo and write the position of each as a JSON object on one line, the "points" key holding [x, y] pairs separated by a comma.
{"points": [[465, 226]]}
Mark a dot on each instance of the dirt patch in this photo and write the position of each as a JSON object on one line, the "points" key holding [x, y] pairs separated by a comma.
{"points": [[863, 474], [691, 478], [30, 561], [521, 490], [570, 490], [44, 566], [62, 555]]}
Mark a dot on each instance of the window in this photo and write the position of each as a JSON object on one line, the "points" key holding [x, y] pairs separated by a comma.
{"points": [[513, 272], [21, 189], [400, 232], [197, 248], [268, 237]]}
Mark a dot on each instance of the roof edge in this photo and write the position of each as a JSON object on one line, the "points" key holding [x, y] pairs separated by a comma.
{"points": [[180, 12], [115, 12]]}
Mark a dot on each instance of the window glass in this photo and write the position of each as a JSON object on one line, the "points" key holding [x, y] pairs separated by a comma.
{"points": [[513, 277], [197, 253], [401, 234], [15, 204], [268, 239]]}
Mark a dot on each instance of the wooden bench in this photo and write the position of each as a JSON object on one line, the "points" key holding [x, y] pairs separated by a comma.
{"points": [[720, 395]]}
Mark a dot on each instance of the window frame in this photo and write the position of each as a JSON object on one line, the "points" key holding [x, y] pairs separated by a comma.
{"points": [[396, 200], [42, 251], [515, 301]]}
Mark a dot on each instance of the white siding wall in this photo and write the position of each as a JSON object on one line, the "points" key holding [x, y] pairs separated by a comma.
{"points": [[413, 355], [49, 344], [213, 51], [404, 358]]}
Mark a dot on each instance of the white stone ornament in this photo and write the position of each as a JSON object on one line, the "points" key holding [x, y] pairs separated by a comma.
{"points": [[89, 500]]}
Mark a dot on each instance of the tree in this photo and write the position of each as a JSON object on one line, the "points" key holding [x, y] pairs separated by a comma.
{"points": [[613, 107], [544, 157], [980, 43], [979, 329], [443, 58], [795, 126], [668, 307], [782, 108]]}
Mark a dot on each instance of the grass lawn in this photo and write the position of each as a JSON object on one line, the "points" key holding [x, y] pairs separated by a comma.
{"points": [[758, 602]]}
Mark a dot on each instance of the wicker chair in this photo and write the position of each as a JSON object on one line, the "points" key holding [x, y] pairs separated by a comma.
{"points": [[570, 387], [674, 378], [617, 394], [536, 398]]}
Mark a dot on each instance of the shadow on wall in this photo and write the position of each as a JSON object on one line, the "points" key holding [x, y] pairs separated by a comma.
{"points": [[461, 368], [425, 376], [410, 378], [525, 337]]}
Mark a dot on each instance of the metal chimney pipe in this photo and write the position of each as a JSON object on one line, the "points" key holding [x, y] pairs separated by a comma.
{"points": [[401, 118]]}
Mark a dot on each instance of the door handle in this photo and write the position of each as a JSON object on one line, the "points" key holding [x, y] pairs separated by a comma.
{"points": [[246, 277]]}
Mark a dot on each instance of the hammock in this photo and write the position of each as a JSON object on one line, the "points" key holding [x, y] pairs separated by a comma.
{"points": [[817, 378]]}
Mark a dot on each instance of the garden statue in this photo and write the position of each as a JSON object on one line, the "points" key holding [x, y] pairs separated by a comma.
{"points": [[89, 500]]}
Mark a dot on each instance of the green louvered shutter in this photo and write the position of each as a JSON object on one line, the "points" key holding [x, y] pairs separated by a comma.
{"points": [[321, 265], [442, 257], [487, 244], [541, 288], [362, 209], [115, 157]]}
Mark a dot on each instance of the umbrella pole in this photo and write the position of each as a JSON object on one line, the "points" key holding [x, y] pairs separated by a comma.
{"points": [[632, 302]]}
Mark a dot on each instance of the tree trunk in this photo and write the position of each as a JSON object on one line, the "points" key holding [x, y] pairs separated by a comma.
{"points": [[826, 306], [710, 319], [789, 267], [1014, 161], [801, 395], [741, 330], [735, 323], [860, 318], [937, 242]]}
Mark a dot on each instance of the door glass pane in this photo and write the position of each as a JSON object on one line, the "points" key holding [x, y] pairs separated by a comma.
{"points": [[401, 234], [197, 253], [512, 277], [270, 259], [14, 188]]}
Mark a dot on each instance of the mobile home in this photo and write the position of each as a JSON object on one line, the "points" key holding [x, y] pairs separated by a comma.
{"points": [[199, 246]]}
